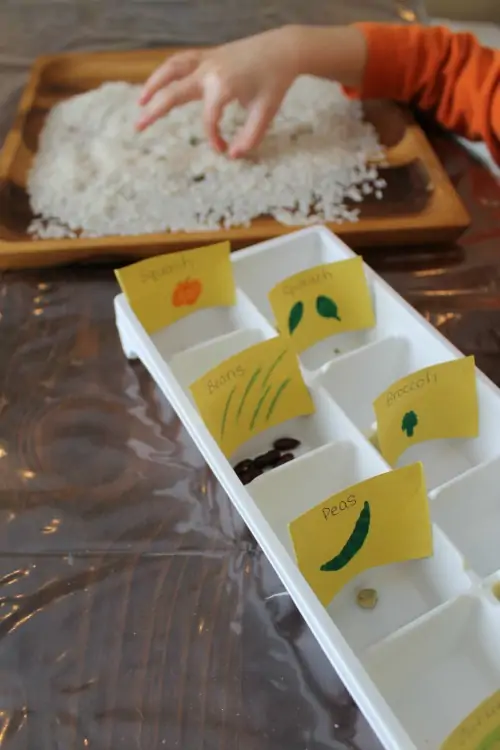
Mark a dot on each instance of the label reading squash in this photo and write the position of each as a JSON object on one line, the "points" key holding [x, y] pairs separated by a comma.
{"points": [[250, 392], [382, 520], [165, 288], [321, 302], [480, 730], [437, 402]]}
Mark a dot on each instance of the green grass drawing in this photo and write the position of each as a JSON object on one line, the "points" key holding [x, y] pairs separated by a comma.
{"points": [[247, 391], [276, 397], [259, 407], [273, 367], [225, 413]]}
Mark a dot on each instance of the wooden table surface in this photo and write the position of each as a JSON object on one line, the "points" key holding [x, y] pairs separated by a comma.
{"points": [[136, 611]]}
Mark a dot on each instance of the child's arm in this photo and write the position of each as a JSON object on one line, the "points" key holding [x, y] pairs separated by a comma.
{"points": [[447, 75]]}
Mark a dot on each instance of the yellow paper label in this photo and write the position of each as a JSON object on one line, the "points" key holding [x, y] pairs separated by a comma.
{"points": [[251, 392], [437, 402], [166, 288], [480, 730], [382, 520], [323, 301]]}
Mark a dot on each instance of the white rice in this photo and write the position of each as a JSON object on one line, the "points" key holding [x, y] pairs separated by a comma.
{"points": [[95, 176]]}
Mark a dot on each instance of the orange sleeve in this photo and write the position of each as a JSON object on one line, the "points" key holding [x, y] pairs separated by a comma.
{"points": [[445, 74]]}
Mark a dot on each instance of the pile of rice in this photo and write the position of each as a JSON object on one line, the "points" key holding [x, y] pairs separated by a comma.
{"points": [[95, 176]]}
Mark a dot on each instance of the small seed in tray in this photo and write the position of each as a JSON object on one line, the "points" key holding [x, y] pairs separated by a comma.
{"points": [[495, 590], [284, 459], [367, 598], [286, 444], [267, 460], [243, 466]]}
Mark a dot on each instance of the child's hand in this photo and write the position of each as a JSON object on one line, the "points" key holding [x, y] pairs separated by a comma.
{"points": [[256, 72]]}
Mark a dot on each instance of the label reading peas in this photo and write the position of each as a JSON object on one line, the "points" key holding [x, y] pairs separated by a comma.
{"points": [[380, 521], [321, 302]]}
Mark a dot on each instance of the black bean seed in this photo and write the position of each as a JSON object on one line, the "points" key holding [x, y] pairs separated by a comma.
{"points": [[248, 476], [243, 466], [286, 444], [284, 459], [267, 460]]}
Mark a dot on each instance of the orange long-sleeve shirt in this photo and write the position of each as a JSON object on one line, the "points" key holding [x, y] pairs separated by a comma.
{"points": [[446, 74]]}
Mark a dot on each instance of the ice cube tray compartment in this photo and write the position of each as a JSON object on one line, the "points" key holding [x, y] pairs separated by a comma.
{"points": [[386, 361], [406, 591], [191, 364], [287, 492], [444, 605], [328, 424], [435, 674], [468, 511], [282, 261]]}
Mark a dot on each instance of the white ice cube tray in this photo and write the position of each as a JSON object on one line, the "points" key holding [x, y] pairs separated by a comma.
{"points": [[429, 652]]}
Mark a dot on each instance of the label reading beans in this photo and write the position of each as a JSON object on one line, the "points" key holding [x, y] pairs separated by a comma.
{"points": [[163, 289], [250, 392], [438, 402], [379, 521], [321, 302]]}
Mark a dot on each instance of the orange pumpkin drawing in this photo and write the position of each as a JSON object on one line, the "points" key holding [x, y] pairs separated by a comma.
{"points": [[187, 292]]}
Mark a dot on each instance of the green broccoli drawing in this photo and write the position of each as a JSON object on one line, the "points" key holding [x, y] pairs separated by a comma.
{"points": [[410, 421]]}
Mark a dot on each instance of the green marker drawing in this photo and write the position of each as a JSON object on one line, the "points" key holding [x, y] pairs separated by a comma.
{"points": [[327, 308], [259, 407], [353, 544], [225, 413], [491, 741], [409, 422], [276, 397], [247, 391], [273, 366], [295, 316]]}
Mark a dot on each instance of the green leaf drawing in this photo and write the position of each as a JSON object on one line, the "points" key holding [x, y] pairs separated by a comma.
{"points": [[327, 308], [409, 422], [353, 544], [295, 316]]}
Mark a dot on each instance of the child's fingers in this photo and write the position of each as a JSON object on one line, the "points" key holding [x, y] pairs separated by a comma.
{"points": [[178, 93], [259, 118], [216, 97], [174, 68]]}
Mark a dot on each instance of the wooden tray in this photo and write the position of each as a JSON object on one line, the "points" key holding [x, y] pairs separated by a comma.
{"points": [[420, 204]]}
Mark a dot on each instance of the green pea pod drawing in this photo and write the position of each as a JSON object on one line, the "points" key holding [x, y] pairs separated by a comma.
{"points": [[353, 544], [295, 316], [327, 308]]}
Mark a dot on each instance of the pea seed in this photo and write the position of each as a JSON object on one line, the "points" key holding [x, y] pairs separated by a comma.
{"points": [[367, 598], [495, 589]]}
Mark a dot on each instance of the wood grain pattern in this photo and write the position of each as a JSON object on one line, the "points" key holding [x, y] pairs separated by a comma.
{"points": [[420, 204]]}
